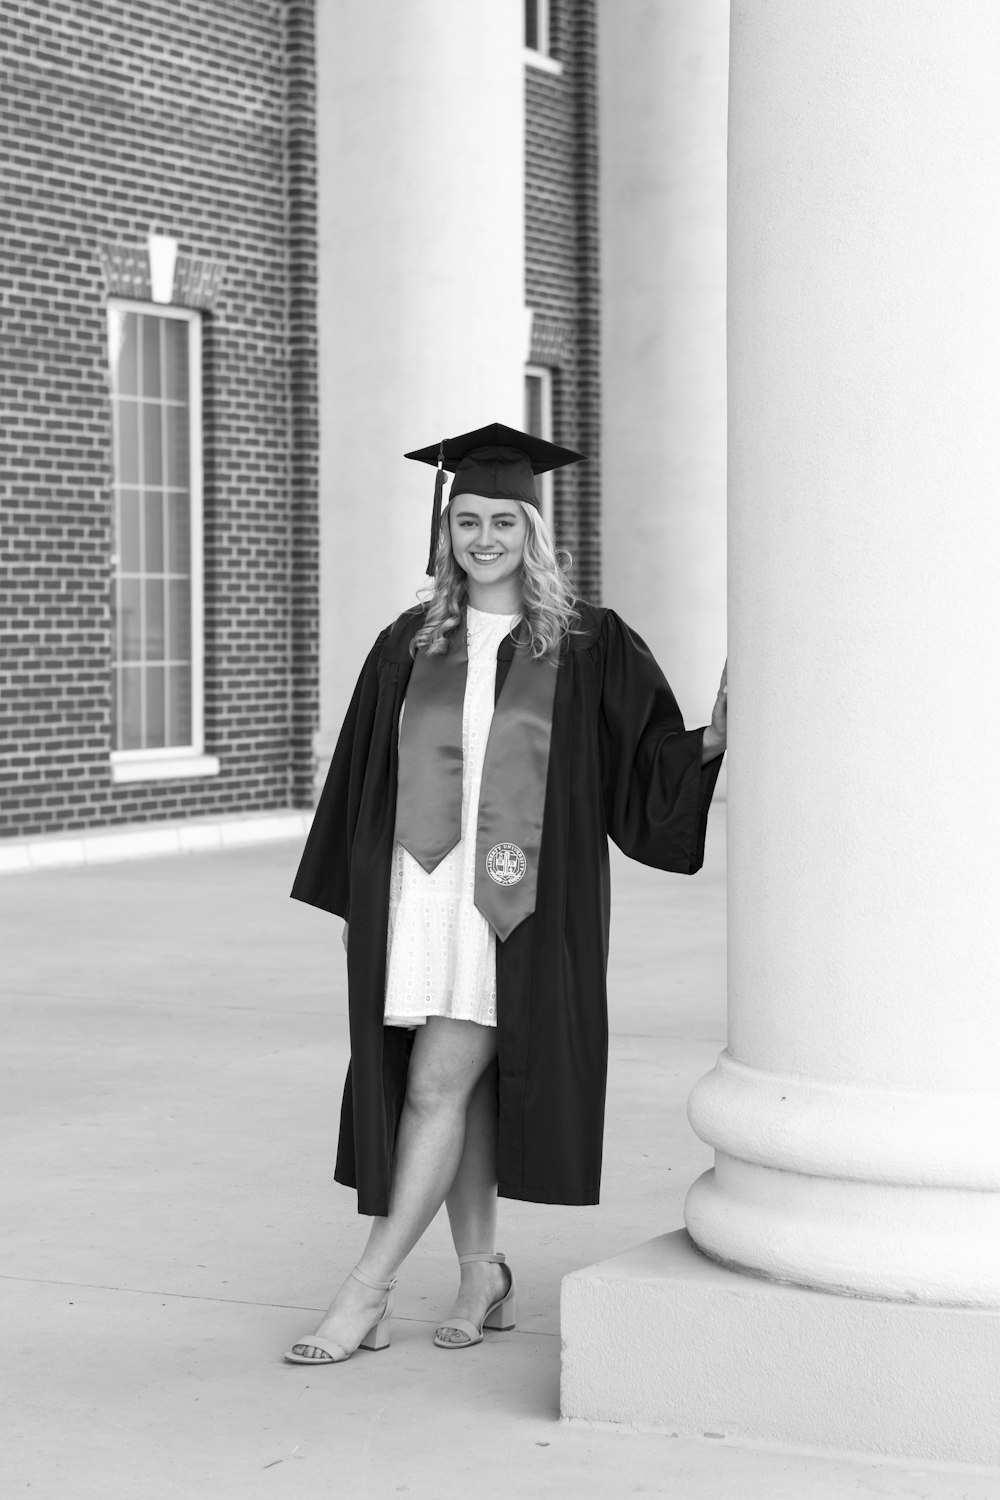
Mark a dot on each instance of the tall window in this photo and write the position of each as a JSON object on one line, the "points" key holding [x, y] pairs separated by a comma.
{"points": [[155, 358], [538, 421]]}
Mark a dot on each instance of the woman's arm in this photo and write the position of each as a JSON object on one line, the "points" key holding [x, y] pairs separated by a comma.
{"points": [[323, 877], [658, 777]]}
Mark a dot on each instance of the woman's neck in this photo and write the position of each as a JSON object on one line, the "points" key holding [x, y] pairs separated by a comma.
{"points": [[500, 599]]}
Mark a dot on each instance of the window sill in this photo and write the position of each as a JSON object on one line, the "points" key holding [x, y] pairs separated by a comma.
{"points": [[542, 62], [165, 768]]}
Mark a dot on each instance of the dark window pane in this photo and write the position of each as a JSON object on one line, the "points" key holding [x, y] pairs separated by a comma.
{"points": [[175, 338], [122, 328], [533, 405], [178, 534], [126, 417], [531, 24], [179, 620], [116, 684], [150, 344], [178, 465], [179, 706], [153, 532], [152, 444], [156, 716], [128, 531], [131, 708], [155, 635], [129, 620]]}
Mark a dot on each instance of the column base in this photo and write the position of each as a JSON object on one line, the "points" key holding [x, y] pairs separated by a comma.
{"points": [[662, 1337], [892, 1242]]}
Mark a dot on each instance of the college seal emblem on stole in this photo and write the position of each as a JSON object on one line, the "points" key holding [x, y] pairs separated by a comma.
{"points": [[506, 864]]}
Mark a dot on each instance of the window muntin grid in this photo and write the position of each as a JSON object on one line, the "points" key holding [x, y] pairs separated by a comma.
{"points": [[155, 373]]}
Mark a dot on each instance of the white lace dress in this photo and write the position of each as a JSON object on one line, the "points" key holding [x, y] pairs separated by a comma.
{"points": [[441, 952]]}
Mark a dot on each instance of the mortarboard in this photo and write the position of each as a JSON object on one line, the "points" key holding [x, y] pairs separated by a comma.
{"points": [[495, 461]]}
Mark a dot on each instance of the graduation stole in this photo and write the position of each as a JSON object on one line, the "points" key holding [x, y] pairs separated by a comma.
{"points": [[512, 794]]}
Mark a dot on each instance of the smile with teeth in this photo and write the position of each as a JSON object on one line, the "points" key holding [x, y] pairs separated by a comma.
{"points": [[486, 557]]}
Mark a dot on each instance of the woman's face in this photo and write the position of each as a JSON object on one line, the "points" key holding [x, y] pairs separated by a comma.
{"points": [[487, 538]]}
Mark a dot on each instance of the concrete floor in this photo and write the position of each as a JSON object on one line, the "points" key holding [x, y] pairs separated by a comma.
{"points": [[175, 1045]]}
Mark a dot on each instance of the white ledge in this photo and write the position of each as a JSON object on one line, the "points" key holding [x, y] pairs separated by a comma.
{"points": [[543, 62], [146, 840], [165, 768]]}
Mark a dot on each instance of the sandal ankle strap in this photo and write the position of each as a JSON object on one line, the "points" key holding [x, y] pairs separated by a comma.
{"points": [[499, 1259], [376, 1286]]}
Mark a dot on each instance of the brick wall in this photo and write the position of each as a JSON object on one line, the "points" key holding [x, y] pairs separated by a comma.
{"points": [[195, 117], [300, 52], [562, 269]]}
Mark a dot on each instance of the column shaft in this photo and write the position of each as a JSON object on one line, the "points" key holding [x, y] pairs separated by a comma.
{"points": [[855, 1113], [663, 331], [421, 286]]}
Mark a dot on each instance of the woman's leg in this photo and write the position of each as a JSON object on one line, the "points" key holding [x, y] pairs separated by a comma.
{"points": [[472, 1209], [446, 1063], [472, 1196]]}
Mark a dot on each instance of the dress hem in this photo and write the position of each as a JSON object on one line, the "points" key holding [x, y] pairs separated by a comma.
{"points": [[409, 1022], [545, 1195]]}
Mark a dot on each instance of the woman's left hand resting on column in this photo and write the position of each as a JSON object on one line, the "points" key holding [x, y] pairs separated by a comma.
{"points": [[715, 734]]}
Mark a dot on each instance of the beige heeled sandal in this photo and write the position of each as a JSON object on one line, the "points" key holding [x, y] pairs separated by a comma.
{"points": [[499, 1315], [377, 1336]]}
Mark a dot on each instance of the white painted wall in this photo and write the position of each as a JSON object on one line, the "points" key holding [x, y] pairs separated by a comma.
{"points": [[420, 122], [858, 1126], [663, 83]]}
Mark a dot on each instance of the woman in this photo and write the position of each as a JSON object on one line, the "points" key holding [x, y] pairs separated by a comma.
{"points": [[465, 843]]}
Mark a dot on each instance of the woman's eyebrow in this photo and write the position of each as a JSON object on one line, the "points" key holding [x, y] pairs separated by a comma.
{"points": [[497, 515]]}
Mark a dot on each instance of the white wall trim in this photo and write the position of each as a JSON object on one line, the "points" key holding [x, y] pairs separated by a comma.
{"points": [[155, 766], [542, 62], [147, 840]]}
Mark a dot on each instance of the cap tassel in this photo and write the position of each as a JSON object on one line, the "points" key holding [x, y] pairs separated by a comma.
{"points": [[436, 514]]}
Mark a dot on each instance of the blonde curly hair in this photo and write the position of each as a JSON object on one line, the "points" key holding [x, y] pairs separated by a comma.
{"points": [[547, 600]]}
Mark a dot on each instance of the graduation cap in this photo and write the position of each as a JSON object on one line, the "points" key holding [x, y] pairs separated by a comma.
{"points": [[496, 462]]}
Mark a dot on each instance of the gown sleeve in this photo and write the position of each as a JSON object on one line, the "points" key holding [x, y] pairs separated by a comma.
{"points": [[656, 791], [324, 874]]}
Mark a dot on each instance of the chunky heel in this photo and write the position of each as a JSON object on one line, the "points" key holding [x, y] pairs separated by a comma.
{"points": [[502, 1318], [377, 1337]]}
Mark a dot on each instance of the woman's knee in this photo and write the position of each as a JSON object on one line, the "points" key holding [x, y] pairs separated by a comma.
{"points": [[447, 1064]]}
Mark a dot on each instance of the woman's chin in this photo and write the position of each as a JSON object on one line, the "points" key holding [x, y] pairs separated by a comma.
{"points": [[499, 572]]}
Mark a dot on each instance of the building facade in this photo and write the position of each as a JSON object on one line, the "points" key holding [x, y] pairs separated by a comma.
{"points": [[160, 587], [167, 602]]}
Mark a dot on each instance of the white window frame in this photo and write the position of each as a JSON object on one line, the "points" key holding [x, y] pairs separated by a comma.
{"points": [[541, 56], [546, 489], [175, 761]]}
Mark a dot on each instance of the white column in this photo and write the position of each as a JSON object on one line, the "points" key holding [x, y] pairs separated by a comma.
{"points": [[855, 1112], [420, 125], [663, 81]]}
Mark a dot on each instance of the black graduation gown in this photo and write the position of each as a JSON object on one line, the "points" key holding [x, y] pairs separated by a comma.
{"points": [[621, 764]]}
